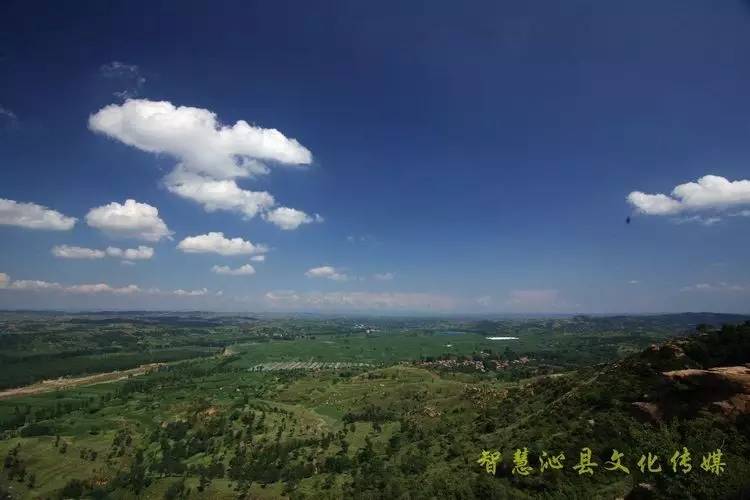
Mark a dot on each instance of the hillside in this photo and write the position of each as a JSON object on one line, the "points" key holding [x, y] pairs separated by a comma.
{"points": [[219, 427]]}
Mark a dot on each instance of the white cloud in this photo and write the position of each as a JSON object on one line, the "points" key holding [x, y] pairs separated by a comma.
{"points": [[363, 239], [196, 138], [8, 118], [34, 285], [290, 218], [384, 276], [741, 213], [360, 301], [698, 219], [92, 288], [718, 287], [7, 113], [484, 301], [191, 293], [633, 282], [245, 270], [128, 254], [258, 258], [128, 74], [216, 194], [327, 272], [283, 296], [215, 242], [33, 216], [129, 220], [73, 252], [709, 193], [654, 204], [140, 253], [210, 155]]}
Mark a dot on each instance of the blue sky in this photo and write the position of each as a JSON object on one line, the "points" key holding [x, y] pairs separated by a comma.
{"points": [[425, 158]]}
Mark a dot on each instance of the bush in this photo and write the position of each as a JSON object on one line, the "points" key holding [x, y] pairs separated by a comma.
{"points": [[37, 429]]}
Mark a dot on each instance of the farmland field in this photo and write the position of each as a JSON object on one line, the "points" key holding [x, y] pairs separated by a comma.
{"points": [[322, 409]]}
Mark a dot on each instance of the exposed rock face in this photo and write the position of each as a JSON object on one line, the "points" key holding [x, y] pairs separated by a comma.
{"points": [[724, 389], [728, 378], [669, 355]]}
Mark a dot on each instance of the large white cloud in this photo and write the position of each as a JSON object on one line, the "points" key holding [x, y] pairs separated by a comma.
{"points": [[216, 242], [709, 193], [210, 155], [327, 272], [216, 194], [196, 138], [129, 220], [4, 280], [73, 252], [33, 216], [245, 270]]}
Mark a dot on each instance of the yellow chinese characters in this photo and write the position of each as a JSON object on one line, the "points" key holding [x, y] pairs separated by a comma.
{"points": [[521, 463], [649, 462], [585, 465], [615, 463], [712, 463], [489, 460], [551, 461], [681, 460]]}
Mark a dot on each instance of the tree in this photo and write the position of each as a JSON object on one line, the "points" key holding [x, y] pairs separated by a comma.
{"points": [[73, 489]]}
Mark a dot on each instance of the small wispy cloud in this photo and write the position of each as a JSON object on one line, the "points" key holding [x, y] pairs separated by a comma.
{"points": [[327, 272], [714, 287], [363, 238], [484, 301], [128, 74], [697, 219], [8, 118]]}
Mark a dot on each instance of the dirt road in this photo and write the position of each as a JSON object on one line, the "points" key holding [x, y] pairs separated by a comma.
{"points": [[66, 383]]}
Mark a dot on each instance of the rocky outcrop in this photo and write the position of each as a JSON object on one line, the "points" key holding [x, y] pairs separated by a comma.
{"points": [[724, 390], [726, 378]]}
